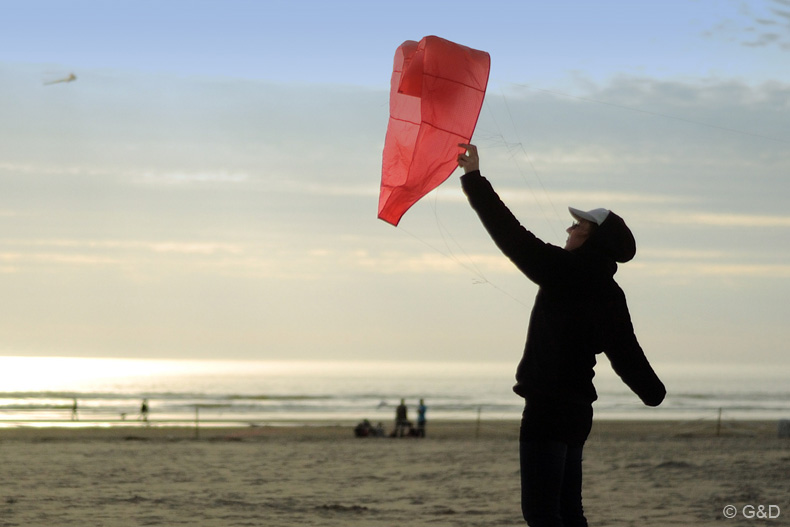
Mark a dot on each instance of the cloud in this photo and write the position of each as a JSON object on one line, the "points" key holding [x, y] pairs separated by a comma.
{"points": [[768, 21], [185, 177], [713, 219], [712, 270], [154, 205]]}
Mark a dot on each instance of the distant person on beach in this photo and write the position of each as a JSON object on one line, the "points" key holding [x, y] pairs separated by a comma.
{"points": [[401, 420], [579, 311], [74, 416], [144, 411], [421, 409]]}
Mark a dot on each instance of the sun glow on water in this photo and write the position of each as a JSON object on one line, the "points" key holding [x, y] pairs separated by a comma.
{"points": [[57, 374], [261, 391], [71, 374]]}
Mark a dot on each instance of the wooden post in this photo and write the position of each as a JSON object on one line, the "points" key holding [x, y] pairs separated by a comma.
{"points": [[718, 424]]}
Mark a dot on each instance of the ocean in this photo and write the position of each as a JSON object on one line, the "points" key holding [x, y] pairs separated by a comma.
{"points": [[42, 391]]}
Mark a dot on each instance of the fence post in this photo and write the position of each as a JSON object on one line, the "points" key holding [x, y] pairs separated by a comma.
{"points": [[718, 424]]}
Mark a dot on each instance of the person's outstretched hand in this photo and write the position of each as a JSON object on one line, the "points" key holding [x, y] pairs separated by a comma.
{"points": [[469, 161]]}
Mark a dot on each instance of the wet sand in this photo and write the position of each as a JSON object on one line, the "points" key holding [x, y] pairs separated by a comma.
{"points": [[462, 474]]}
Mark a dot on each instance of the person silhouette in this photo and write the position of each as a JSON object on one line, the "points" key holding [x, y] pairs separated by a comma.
{"points": [[401, 419], [579, 312], [421, 409], [144, 411]]}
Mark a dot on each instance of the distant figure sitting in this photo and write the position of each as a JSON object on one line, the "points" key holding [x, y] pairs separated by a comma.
{"points": [[402, 423], [363, 429]]}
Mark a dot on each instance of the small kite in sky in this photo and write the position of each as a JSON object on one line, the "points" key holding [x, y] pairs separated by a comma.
{"points": [[436, 93], [70, 78]]}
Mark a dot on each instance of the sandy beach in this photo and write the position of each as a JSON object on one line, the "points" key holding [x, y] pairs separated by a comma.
{"points": [[462, 474]]}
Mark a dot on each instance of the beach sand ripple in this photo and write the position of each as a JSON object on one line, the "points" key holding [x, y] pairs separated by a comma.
{"points": [[636, 474]]}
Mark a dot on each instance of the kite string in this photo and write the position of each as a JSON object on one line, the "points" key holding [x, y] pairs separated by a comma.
{"points": [[445, 233], [516, 148], [471, 266], [467, 262], [513, 150]]}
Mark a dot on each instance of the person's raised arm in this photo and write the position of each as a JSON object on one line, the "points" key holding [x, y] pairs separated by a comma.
{"points": [[543, 263]]}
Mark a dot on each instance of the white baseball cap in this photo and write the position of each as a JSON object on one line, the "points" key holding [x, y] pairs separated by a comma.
{"points": [[597, 216]]}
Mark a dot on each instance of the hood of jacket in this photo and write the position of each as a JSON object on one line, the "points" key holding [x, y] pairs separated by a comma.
{"points": [[612, 238]]}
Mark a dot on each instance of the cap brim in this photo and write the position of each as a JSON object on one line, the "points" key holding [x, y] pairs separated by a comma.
{"points": [[582, 215]]}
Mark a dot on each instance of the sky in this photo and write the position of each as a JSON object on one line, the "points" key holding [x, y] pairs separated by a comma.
{"points": [[207, 187]]}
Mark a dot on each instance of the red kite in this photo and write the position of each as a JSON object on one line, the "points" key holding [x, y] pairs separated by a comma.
{"points": [[436, 94]]}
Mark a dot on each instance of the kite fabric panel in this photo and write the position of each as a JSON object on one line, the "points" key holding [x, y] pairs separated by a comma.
{"points": [[436, 94]]}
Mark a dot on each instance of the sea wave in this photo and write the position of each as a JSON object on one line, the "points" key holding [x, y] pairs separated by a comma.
{"points": [[261, 392]]}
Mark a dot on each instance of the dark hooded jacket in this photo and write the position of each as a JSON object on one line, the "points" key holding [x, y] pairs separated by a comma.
{"points": [[579, 310]]}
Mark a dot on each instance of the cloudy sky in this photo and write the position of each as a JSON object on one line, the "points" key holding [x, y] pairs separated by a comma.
{"points": [[208, 186]]}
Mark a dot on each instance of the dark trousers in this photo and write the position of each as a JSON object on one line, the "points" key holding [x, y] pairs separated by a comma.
{"points": [[551, 484], [551, 444]]}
